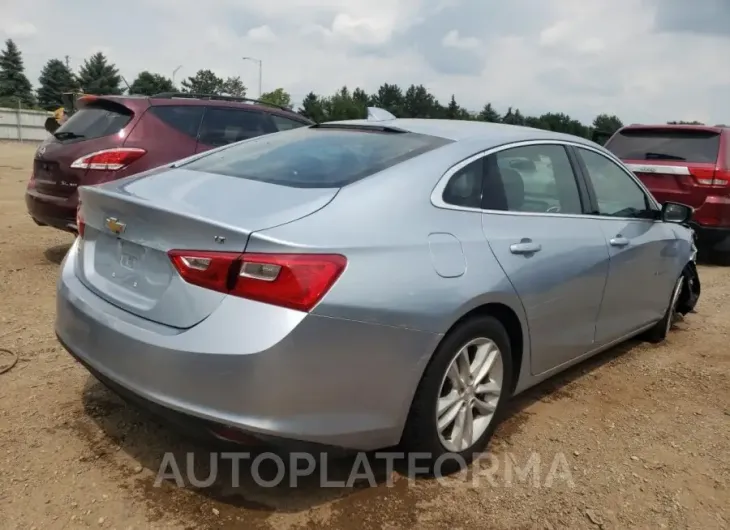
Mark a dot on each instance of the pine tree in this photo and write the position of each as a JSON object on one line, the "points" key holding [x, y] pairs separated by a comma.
{"points": [[97, 76], [14, 85], [55, 79]]}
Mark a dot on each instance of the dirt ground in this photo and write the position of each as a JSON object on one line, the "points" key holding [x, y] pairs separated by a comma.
{"points": [[644, 430]]}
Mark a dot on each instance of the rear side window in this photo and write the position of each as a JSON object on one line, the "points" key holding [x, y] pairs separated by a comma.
{"points": [[222, 126], [284, 124], [685, 145], [94, 121], [184, 119], [316, 157]]}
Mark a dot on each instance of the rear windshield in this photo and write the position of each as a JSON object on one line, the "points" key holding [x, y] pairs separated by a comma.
{"points": [[316, 157], [94, 121], [663, 144]]}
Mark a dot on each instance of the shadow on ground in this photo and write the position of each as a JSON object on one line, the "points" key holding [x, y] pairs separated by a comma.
{"points": [[56, 253], [233, 490]]}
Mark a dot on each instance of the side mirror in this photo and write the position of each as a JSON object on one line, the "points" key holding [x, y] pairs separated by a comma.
{"points": [[674, 212]]}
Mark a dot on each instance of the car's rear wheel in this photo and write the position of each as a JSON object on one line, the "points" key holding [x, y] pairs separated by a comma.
{"points": [[461, 396], [661, 329]]}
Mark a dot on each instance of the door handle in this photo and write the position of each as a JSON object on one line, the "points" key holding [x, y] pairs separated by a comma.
{"points": [[525, 247], [619, 241]]}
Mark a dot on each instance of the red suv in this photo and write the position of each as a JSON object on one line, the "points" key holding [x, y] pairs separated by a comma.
{"points": [[688, 164], [111, 137]]}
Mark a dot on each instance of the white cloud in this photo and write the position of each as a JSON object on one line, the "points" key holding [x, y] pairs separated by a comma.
{"points": [[261, 34], [575, 56], [453, 40], [19, 29]]}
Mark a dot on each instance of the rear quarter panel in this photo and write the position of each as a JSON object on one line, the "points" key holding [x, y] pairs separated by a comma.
{"points": [[394, 240]]}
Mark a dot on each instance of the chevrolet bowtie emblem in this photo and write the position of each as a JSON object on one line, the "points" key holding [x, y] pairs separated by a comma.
{"points": [[115, 225]]}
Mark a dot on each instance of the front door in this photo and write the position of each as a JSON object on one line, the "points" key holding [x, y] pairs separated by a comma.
{"points": [[641, 271], [556, 259]]}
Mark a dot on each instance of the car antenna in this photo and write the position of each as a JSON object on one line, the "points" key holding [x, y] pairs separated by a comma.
{"points": [[378, 114]]}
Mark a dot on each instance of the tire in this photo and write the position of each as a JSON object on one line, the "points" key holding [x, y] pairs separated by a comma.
{"points": [[660, 330], [422, 435], [691, 290]]}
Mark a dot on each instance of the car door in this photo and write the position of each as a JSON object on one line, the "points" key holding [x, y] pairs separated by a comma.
{"points": [[554, 255], [641, 248], [225, 125]]}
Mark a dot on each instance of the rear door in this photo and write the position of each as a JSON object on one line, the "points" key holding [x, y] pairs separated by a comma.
{"points": [[168, 132], [641, 248], [555, 257], [225, 125], [676, 164]]}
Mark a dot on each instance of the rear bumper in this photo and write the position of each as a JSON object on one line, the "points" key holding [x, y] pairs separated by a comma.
{"points": [[325, 381], [47, 210]]}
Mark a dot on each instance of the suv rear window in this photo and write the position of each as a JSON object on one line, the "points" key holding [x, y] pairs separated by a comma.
{"points": [[94, 121], [316, 157], [684, 145]]}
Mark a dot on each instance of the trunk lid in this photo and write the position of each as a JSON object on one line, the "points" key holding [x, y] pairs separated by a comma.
{"points": [[676, 163], [175, 209]]}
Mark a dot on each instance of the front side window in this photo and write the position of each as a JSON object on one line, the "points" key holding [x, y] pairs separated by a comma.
{"points": [[284, 124], [617, 194], [316, 157], [535, 178]]}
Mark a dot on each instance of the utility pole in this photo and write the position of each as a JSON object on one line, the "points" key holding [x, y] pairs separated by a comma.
{"points": [[260, 69], [67, 66]]}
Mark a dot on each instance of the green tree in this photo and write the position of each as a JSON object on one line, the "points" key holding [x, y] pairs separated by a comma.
{"points": [[279, 97], [313, 108], [608, 124], [489, 114], [362, 100], [14, 85], [233, 86], [419, 103], [203, 82], [149, 84], [55, 79], [685, 123], [390, 98], [341, 106], [98, 76]]}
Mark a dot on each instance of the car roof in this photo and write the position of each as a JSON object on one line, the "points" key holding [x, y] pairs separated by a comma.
{"points": [[196, 100], [461, 130]]}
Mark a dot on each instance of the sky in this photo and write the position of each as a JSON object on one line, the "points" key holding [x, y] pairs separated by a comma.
{"points": [[647, 61]]}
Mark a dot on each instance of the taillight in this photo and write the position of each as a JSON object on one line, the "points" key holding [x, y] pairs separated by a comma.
{"points": [[80, 223], [109, 159], [711, 177], [296, 281]]}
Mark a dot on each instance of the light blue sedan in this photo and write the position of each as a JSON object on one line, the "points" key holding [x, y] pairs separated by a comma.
{"points": [[363, 283]]}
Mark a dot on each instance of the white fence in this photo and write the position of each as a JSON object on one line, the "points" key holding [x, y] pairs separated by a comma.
{"points": [[23, 124]]}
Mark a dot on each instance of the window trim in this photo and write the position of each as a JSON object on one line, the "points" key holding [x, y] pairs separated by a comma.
{"points": [[648, 197], [438, 190]]}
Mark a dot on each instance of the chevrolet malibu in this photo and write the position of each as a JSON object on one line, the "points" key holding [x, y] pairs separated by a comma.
{"points": [[368, 283]]}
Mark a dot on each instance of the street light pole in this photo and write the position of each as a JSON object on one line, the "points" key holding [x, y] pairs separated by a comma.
{"points": [[174, 72], [260, 63]]}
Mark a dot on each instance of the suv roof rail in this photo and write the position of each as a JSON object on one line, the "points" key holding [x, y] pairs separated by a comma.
{"points": [[188, 95]]}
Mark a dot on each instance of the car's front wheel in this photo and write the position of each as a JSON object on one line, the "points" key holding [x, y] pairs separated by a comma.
{"points": [[461, 396]]}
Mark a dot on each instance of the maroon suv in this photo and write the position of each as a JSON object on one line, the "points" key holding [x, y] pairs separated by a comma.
{"points": [[111, 137]]}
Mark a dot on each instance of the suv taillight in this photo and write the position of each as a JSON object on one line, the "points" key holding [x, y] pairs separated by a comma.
{"points": [[715, 178], [109, 159], [296, 281]]}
